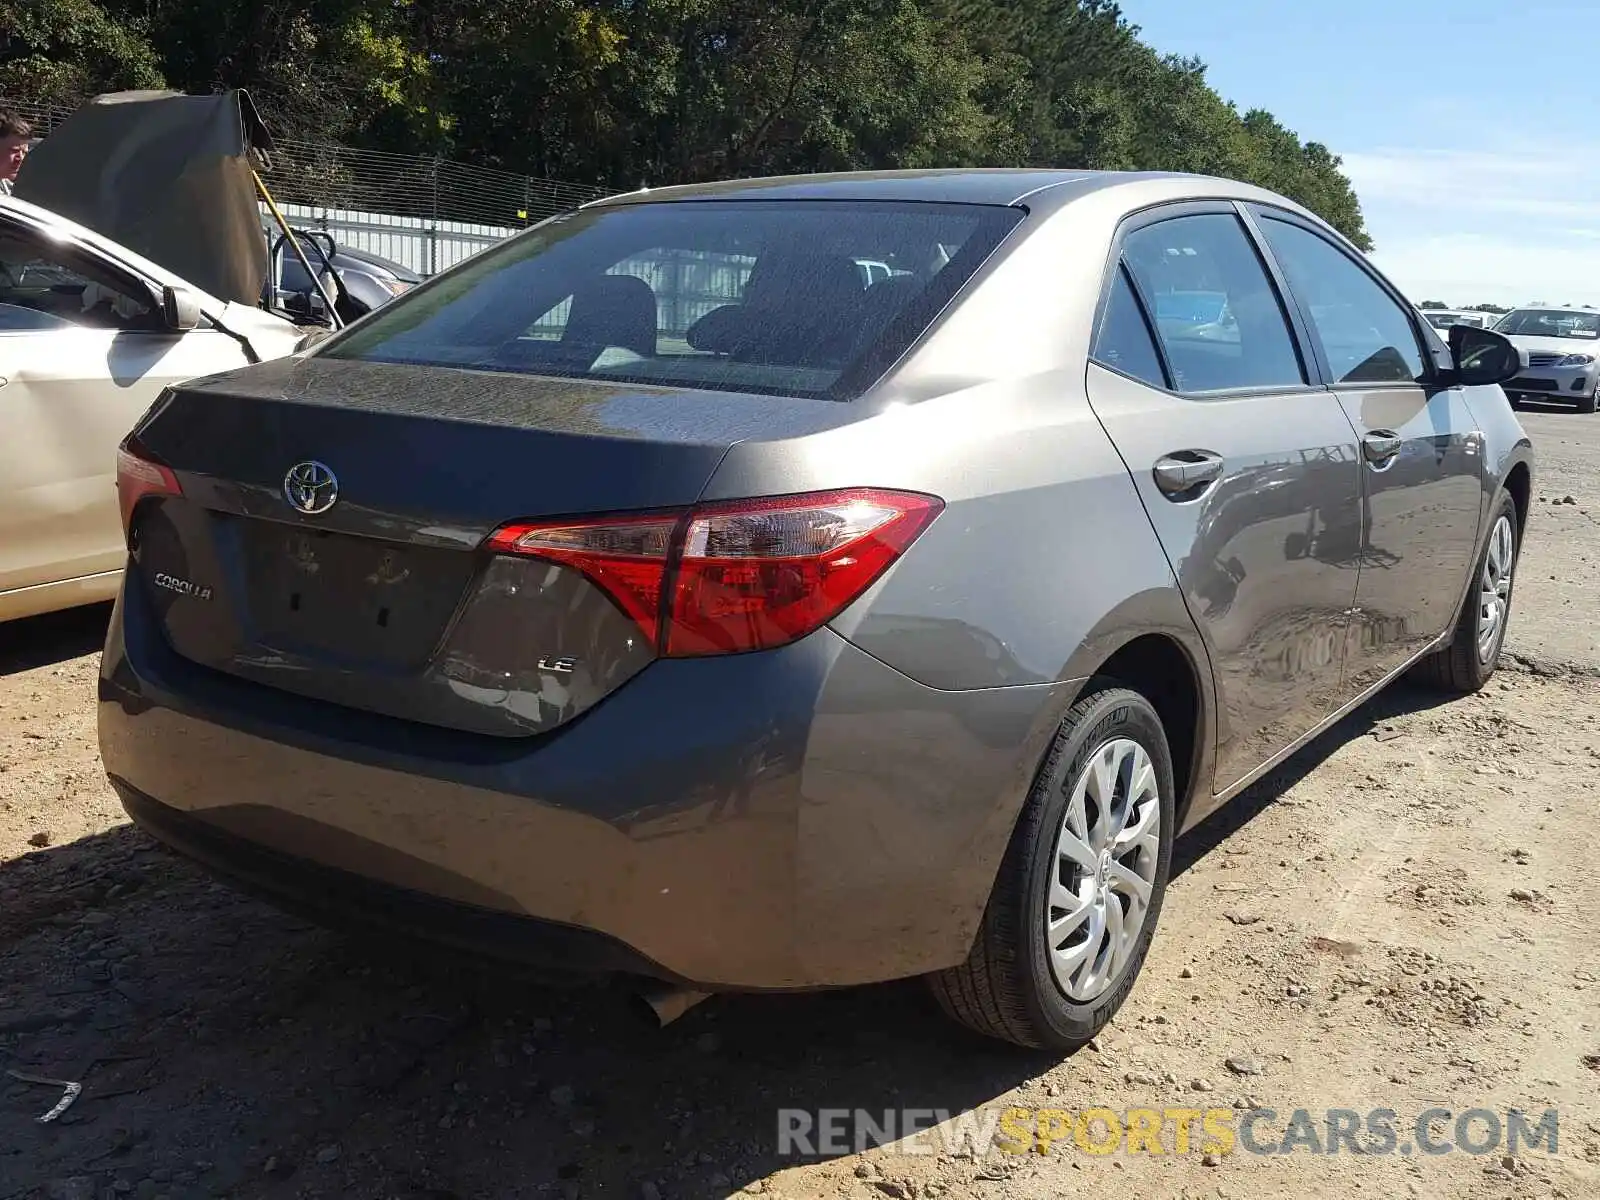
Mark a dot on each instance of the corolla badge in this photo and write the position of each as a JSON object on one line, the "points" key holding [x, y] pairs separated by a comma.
{"points": [[311, 487]]}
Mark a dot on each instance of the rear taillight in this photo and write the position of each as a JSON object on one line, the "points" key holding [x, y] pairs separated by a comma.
{"points": [[744, 575], [626, 558], [760, 573], [139, 474]]}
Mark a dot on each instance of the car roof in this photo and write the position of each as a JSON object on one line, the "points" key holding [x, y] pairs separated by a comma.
{"points": [[1039, 188]]}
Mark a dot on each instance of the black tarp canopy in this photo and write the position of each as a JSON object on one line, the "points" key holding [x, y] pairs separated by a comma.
{"points": [[166, 175]]}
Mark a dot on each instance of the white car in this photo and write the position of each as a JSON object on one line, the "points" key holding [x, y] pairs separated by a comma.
{"points": [[1563, 349], [1442, 319], [90, 334]]}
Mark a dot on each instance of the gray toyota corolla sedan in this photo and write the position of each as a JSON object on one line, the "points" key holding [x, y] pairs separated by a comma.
{"points": [[805, 582]]}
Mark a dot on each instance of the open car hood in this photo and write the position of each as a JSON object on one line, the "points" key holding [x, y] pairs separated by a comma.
{"points": [[1536, 344], [166, 175]]}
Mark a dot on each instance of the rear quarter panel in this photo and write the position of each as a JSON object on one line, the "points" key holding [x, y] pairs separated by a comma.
{"points": [[1044, 560], [1041, 566]]}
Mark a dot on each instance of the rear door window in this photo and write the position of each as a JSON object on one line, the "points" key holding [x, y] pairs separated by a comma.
{"points": [[1124, 342], [760, 296], [1216, 312]]}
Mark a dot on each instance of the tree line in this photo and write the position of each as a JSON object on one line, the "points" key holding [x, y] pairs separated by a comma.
{"points": [[629, 92], [1440, 305]]}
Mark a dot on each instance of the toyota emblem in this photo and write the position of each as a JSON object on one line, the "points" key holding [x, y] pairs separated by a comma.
{"points": [[311, 488]]}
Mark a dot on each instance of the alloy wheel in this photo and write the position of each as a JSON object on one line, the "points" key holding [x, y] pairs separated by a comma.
{"points": [[1494, 588]]}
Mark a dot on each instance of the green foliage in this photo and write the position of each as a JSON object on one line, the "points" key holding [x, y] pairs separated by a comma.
{"points": [[625, 92], [316, 68], [57, 51]]}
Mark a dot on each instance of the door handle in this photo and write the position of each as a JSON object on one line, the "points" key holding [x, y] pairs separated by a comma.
{"points": [[1380, 446], [1186, 471]]}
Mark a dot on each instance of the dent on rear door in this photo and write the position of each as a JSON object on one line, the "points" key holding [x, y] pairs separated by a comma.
{"points": [[1267, 557]]}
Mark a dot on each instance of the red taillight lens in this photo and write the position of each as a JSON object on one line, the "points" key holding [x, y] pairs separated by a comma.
{"points": [[744, 575], [761, 573], [628, 558], [138, 476]]}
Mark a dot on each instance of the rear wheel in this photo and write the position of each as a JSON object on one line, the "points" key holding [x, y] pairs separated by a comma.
{"points": [[1075, 905], [1466, 664]]}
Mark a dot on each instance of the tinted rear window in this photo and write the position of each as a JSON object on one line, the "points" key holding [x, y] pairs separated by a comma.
{"points": [[788, 297]]}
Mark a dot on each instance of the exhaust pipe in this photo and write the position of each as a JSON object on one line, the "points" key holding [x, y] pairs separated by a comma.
{"points": [[668, 1003]]}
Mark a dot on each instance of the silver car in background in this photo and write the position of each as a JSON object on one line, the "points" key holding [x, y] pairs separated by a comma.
{"points": [[1563, 349]]}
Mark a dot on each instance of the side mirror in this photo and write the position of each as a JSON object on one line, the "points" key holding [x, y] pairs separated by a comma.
{"points": [[1482, 356], [179, 309]]}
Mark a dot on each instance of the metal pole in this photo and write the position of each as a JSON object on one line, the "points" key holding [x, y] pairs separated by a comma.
{"points": [[299, 251]]}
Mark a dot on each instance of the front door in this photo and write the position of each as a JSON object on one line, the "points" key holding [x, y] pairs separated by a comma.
{"points": [[1421, 452], [83, 354], [1249, 471]]}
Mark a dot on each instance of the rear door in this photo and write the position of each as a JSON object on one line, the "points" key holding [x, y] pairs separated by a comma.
{"points": [[1422, 462], [83, 353], [1247, 467]]}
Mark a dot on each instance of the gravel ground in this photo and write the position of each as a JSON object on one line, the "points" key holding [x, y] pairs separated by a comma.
{"points": [[1402, 916]]}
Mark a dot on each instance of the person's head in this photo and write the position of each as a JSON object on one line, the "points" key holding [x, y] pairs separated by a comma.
{"points": [[15, 134]]}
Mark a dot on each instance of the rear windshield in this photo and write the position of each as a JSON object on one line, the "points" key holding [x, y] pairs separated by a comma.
{"points": [[789, 297]]}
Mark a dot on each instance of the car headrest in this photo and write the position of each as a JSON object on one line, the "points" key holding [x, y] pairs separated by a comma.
{"points": [[613, 310], [785, 291]]}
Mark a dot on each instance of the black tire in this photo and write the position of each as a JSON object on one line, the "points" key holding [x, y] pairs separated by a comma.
{"points": [[1006, 988], [1459, 667], [1586, 404]]}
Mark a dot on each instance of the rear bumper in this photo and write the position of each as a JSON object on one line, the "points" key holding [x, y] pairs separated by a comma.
{"points": [[807, 817], [342, 900]]}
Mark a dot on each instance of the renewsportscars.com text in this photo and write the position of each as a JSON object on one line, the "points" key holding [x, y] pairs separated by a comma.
{"points": [[1168, 1130]]}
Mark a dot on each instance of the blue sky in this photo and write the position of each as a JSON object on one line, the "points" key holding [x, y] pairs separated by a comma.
{"points": [[1479, 178]]}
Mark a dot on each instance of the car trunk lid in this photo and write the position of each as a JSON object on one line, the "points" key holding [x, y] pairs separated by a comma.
{"points": [[386, 599]]}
